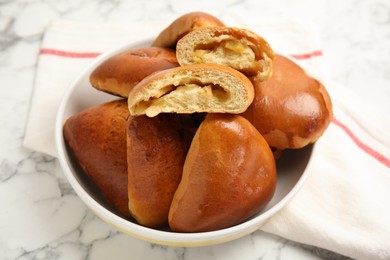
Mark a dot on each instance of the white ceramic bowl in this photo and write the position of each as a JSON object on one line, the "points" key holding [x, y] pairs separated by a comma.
{"points": [[293, 169]]}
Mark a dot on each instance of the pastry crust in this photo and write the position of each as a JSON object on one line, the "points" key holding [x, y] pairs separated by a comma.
{"points": [[121, 72], [229, 175], [190, 89], [183, 25], [291, 109], [238, 48], [97, 138], [156, 150]]}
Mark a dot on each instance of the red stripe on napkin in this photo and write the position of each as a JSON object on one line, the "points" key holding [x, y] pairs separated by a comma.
{"points": [[380, 157], [69, 54], [309, 55]]}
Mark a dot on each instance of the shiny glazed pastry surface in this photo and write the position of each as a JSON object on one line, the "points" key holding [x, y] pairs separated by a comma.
{"points": [[228, 176], [97, 138], [121, 72], [156, 150], [291, 109]]}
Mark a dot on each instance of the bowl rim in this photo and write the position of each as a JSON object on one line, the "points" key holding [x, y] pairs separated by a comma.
{"points": [[150, 234]]}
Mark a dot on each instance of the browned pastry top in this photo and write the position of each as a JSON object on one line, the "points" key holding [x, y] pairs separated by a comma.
{"points": [[183, 25], [121, 72], [97, 137], [291, 109], [229, 175], [156, 151]]}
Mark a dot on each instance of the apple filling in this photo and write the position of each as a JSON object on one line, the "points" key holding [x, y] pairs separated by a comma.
{"points": [[228, 52], [185, 95]]}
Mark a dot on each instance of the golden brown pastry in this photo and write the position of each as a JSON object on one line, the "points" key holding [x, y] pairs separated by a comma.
{"points": [[291, 109], [238, 48], [229, 175], [194, 88], [97, 138], [121, 72], [156, 151], [183, 25]]}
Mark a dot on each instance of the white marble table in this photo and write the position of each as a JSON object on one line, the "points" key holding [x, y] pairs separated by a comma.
{"points": [[52, 223]]}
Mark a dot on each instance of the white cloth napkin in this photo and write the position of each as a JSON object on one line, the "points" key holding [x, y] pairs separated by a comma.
{"points": [[343, 206]]}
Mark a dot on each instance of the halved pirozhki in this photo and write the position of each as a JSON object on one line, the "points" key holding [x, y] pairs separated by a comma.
{"points": [[238, 48], [193, 88]]}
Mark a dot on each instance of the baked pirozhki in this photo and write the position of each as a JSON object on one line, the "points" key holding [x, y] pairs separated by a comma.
{"points": [[291, 109], [206, 111], [183, 25], [97, 138], [156, 150], [192, 88], [229, 175], [121, 72], [238, 48]]}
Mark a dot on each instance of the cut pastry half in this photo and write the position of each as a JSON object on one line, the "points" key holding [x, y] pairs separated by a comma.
{"points": [[238, 48], [190, 89]]}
